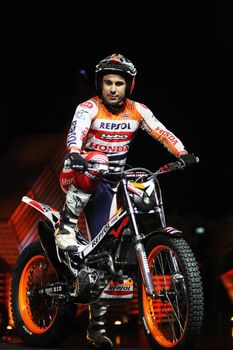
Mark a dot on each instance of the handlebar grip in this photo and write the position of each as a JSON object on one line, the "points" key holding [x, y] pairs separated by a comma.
{"points": [[178, 165], [77, 167], [74, 167]]}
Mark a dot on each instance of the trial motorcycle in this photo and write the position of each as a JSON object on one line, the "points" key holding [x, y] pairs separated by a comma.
{"points": [[48, 284]]}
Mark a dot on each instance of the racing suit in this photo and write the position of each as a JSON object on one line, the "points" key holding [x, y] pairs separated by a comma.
{"points": [[95, 128], [97, 132]]}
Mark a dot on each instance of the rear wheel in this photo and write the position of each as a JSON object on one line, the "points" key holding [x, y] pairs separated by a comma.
{"points": [[173, 319], [40, 319]]}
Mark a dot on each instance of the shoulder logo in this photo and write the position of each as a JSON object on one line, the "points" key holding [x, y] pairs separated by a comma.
{"points": [[87, 104]]}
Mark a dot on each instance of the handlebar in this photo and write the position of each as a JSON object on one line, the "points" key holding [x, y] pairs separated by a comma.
{"points": [[97, 167], [103, 168], [177, 165]]}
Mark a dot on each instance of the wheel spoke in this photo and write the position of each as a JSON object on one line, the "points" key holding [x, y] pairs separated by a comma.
{"points": [[169, 312], [38, 311]]}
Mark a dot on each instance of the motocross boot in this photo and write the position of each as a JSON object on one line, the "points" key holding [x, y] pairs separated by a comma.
{"points": [[96, 333], [67, 236]]}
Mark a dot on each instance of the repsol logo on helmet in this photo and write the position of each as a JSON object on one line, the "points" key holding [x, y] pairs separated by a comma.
{"points": [[115, 126]]}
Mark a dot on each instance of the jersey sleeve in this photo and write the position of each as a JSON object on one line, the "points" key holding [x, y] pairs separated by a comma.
{"points": [[158, 131], [83, 116]]}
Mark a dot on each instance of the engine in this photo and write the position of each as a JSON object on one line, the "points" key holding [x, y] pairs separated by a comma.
{"points": [[89, 284]]}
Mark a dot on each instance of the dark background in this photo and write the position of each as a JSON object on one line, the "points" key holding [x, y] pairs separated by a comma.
{"points": [[183, 54]]}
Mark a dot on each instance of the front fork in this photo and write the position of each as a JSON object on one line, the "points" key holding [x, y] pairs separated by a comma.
{"points": [[139, 246]]}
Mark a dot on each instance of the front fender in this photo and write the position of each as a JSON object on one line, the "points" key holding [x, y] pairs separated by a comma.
{"points": [[50, 213], [168, 231]]}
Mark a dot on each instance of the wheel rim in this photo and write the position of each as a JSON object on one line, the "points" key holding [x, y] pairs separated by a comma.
{"points": [[38, 312], [166, 317]]}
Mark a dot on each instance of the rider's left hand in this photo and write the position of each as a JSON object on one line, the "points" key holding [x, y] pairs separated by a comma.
{"points": [[188, 159]]}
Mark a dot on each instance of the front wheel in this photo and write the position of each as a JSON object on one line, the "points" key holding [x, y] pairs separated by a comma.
{"points": [[173, 319], [40, 319]]}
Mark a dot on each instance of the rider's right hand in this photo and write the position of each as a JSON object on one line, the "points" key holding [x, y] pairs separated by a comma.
{"points": [[76, 160]]}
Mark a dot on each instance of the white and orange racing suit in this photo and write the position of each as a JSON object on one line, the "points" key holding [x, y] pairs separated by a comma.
{"points": [[95, 129]]}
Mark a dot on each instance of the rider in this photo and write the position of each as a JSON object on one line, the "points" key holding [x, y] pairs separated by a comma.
{"points": [[102, 130]]}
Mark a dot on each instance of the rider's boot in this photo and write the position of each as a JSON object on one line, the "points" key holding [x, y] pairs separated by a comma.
{"points": [[96, 332], [67, 236]]}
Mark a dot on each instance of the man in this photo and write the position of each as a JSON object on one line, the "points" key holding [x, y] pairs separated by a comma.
{"points": [[102, 130]]}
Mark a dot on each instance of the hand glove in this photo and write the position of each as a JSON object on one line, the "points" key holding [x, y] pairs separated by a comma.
{"points": [[189, 159], [77, 160]]}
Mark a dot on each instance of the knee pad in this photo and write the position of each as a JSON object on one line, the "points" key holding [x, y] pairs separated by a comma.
{"points": [[76, 200]]}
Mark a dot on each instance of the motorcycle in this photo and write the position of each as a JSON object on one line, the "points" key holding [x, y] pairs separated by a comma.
{"points": [[127, 254]]}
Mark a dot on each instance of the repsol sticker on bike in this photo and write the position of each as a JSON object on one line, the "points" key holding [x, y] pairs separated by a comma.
{"points": [[116, 290]]}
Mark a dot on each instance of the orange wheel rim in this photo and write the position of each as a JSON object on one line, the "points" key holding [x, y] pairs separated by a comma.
{"points": [[38, 312], [165, 322]]}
